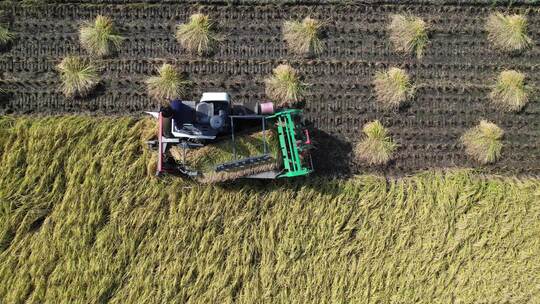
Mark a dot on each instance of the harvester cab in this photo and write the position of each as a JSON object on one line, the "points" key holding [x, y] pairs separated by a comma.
{"points": [[186, 126], [202, 120]]}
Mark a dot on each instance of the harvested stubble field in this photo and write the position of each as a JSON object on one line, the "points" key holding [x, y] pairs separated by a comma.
{"points": [[453, 79], [81, 221]]}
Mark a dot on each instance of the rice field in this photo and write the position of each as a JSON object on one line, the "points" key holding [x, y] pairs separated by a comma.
{"points": [[81, 221]]}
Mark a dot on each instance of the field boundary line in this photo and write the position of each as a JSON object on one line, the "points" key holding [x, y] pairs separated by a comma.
{"points": [[494, 3]]}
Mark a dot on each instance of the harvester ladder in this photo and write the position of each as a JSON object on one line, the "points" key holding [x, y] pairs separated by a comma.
{"points": [[290, 152], [288, 143]]}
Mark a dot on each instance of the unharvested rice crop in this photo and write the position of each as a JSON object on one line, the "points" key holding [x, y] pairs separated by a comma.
{"points": [[100, 38], [392, 88], [168, 84], [197, 36], [78, 76], [284, 85], [483, 142], [82, 222], [510, 93], [508, 32], [303, 37], [408, 34], [377, 147]]}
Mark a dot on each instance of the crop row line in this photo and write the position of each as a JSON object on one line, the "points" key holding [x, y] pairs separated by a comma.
{"points": [[315, 111], [232, 67], [348, 13], [359, 41], [288, 3], [270, 29], [352, 88], [375, 54]]}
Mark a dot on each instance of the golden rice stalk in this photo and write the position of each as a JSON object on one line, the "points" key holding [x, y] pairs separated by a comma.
{"points": [[408, 34], [483, 142], [284, 86], [151, 166], [168, 84], [377, 147], [303, 38], [392, 88], [197, 36], [510, 92], [149, 130], [78, 76], [508, 33], [177, 153], [100, 38]]}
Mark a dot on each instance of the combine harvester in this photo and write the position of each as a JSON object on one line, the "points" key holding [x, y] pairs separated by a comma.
{"points": [[186, 127]]}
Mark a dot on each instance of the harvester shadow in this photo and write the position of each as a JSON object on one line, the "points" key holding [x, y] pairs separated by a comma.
{"points": [[6, 47], [87, 102], [331, 155], [98, 91]]}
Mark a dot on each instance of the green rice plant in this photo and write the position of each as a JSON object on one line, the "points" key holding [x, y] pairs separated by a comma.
{"points": [[168, 84], [197, 36], [377, 147], [6, 36], [100, 38], [408, 34], [78, 76], [508, 33], [392, 88], [304, 37], [483, 142], [285, 86], [510, 93]]}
